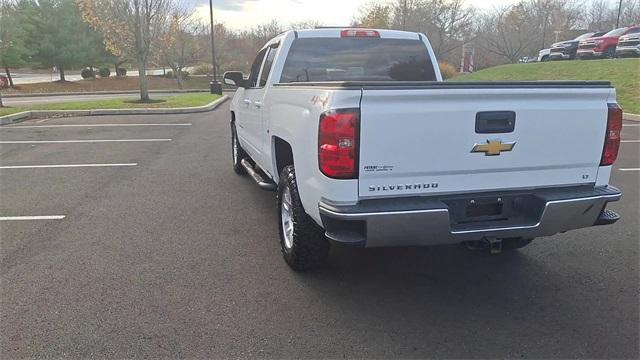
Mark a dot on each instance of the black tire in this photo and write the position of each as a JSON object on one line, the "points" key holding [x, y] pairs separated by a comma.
{"points": [[237, 152], [306, 247], [610, 53], [544, 58]]}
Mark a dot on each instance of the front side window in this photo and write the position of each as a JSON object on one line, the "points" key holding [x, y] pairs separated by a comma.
{"points": [[255, 68], [268, 64], [357, 59]]}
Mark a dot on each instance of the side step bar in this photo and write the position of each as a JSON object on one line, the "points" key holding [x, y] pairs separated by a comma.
{"points": [[262, 184]]}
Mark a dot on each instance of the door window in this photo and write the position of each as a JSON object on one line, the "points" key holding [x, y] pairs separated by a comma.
{"points": [[255, 68], [268, 64]]}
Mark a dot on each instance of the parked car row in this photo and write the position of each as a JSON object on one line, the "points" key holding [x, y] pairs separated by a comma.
{"points": [[621, 42]]}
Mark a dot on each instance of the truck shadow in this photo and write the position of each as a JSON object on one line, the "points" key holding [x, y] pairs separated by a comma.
{"points": [[449, 292]]}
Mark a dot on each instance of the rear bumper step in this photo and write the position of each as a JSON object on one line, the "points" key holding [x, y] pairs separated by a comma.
{"points": [[607, 217], [422, 221], [262, 183]]}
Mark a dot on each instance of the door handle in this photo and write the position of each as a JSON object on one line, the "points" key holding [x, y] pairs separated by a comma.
{"points": [[257, 104], [495, 122], [246, 101]]}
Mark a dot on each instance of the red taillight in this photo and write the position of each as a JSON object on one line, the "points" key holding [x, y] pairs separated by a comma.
{"points": [[338, 143], [359, 33], [612, 138]]}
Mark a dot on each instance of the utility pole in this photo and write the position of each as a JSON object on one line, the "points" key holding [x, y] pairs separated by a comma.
{"points": [[215, 86], [404, 16], [619, 11]]}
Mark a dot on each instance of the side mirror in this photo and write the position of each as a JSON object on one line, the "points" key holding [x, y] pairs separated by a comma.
{"points": [[234, 78]]}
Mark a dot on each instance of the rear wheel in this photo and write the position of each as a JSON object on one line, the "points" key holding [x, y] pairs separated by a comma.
{"points": [[237, 152], [302, 241]]}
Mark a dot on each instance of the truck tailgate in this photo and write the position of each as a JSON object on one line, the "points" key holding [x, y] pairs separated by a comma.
{"points": [[420, 141]]}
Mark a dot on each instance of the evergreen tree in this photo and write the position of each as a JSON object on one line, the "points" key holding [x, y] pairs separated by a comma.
{"points": [[13, 49], [60, 37]]}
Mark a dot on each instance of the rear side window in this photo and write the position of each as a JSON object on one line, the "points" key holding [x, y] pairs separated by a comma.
{"points": [[357, 59]]}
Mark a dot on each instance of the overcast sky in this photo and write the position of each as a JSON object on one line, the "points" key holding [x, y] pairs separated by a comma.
{"points": [[240, 14]]}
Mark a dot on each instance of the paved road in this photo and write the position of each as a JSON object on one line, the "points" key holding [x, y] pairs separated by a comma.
{"points": [[31, 78], [34, 100], [178, 257]]}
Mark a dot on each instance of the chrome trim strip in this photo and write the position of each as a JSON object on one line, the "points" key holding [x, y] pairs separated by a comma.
{"points": [[340, 215]]}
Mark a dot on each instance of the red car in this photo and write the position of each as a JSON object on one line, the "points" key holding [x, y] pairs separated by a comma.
{"points": [[605, 45]]}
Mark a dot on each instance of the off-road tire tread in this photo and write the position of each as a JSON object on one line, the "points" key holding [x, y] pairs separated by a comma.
{"points": [[310, 246]]}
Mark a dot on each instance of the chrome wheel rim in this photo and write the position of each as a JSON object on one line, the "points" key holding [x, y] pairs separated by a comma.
{"points": [[287, 218]]}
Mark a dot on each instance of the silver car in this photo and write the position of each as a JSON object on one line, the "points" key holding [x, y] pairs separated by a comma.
{"points": [[628, 45]]}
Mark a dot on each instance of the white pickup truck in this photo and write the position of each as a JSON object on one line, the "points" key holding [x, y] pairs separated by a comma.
{"points": [[366, 145]]}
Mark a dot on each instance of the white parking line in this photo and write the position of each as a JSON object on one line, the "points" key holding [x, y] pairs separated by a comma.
{"points": [[92, 125], [631, 125], [630, 169], [79, 141], [630, 141], [65, 166], [49, 217]]}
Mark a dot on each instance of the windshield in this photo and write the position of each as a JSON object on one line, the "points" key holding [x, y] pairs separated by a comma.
{"points": [[584, 36], [616, 32], [357, 59]]}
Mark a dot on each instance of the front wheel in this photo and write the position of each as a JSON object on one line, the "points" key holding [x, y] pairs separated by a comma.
{"points": [[302, 241]]}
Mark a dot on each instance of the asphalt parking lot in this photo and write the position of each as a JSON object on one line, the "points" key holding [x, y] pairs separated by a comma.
{"points": [[155, 248]]}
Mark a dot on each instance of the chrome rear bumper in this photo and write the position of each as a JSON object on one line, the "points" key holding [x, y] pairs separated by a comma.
{"points": [[432, 221]]}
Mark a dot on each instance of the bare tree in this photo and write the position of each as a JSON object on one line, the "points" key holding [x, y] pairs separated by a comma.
{"points": [[179, 46], [449, 24], [130, 27]]}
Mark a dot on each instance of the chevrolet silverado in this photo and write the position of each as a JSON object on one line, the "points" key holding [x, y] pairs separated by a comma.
{"points": [[365, 145]]}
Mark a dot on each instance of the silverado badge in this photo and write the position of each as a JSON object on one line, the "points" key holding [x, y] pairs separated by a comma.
{"points": [[493, 147]]}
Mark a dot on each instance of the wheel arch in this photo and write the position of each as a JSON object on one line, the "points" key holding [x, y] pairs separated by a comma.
{"points": [[283, 155]]}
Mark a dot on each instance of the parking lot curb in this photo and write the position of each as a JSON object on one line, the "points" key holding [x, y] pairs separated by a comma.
{"points": [[13, 118], [19, 117], [631, 117]]}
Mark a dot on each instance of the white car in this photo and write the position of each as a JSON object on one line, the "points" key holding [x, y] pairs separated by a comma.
{"points": [[543, 55], [628, 45], [366, 146]]}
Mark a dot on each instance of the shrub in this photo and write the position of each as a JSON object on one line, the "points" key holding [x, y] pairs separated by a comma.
{"points": [[87, 73], [447, 70], [104, 72], [171, 75], [202, 69], [121, 72]]}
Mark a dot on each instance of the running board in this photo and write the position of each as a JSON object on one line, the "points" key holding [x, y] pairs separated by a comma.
{"points": [[262, 184]]}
